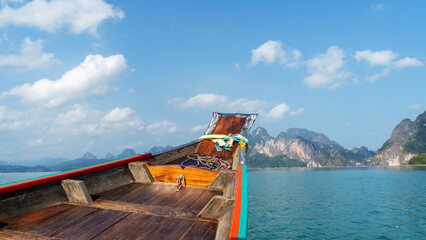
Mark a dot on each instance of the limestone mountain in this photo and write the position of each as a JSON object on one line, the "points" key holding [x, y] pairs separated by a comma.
{"points": [[407, 141], [312, 148]]}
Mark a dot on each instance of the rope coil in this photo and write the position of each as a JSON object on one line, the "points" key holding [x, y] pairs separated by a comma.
{"points": [[213, 163]]}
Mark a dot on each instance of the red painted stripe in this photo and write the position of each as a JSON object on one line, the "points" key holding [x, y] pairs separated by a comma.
{"points": [[70, 174], [237, 206]]}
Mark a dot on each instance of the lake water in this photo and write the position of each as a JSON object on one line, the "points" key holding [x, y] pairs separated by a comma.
{"points": [[330, 203], [337, 203], [13, 177]]}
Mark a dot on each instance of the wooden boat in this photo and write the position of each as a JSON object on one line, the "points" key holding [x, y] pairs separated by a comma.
{"points": [[137, 197]]}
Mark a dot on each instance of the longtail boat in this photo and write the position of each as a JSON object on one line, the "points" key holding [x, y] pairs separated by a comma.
{"points": [[194, 191]]}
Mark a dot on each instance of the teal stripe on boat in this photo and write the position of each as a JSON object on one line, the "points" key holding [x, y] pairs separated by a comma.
{"points": [[48, 175], [242, 232]]}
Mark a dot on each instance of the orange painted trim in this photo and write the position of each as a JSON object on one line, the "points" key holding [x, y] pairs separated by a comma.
{"points": [[69, 174], [193, 176], [237, 205]]}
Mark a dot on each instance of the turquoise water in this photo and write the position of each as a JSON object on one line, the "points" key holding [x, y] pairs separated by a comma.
{"points": [[13, 177], [337, 203]]}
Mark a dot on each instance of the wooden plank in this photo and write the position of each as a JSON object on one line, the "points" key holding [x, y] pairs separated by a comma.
{"points": [[56, 224], [226, 126], [193, 175], [203, 200], [93, 224], [167, 228], [162, 211], [185, 197], [25, 220], [200, 230], [130, 227], [119, 192], [143, 193], [70, 174], [15, 235]]}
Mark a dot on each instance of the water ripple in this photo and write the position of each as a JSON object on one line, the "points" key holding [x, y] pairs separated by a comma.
{"points": [[337, 203]]}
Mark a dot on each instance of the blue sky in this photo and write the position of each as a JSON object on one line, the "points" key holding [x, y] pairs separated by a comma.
{"points": [[100, 76]]}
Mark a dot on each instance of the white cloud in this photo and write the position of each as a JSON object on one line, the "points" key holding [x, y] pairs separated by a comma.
{"points": [[199, 128], [271, 52], [36, 142], [299, 111], [407, 62], [30, 56], [237, 66], [326, 69], [376, 7], [382, 74], [277, 112], [118, 114], [162, 127], [77, 15], [11, 120], [223, 103], [95, 76], [207, 100], [383, 58], [83, 120], [415, 106]]}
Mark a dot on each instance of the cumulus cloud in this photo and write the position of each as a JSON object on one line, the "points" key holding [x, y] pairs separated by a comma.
{"points": [[84, 120], [223, 103], [199, 128], [30, 56], [376, 7], [407, 62], [36, 142], [385, 58], [299, 111], [77, 15], [271, 52], [415, 106], [162, 127], [277, 112], [12, 120], [95, 76], [206, 100], [326, 69]]}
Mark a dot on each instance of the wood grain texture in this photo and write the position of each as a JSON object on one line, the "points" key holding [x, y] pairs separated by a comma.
{"points": [[163, 211], [15, 235], [193, 175], [92, 224], [226, 126]]}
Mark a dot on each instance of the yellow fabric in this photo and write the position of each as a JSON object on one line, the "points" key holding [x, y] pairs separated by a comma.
{"points": [[219, 139]]}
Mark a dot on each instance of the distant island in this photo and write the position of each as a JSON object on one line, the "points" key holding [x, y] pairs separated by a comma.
{"points": [[295, 147]]}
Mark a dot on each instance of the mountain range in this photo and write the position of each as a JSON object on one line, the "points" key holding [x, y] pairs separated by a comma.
{"points": [[62, 164], [294, 147]]}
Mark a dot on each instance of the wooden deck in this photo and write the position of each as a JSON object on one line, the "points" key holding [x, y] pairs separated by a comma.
{"points": [[133, 211]]}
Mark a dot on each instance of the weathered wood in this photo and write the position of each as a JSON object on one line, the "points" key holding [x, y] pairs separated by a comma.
{"points": [[216, 207], [31, 199], [56, 224], [163, 211], [140, 172], [107, 179], [173, 155], [193, 175], [226, 126], [130, 227], [76, 191], [23, 221], [92, 224], [15, 235], [225, 180], [201, 202], [200, 230], [138, 194]]}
